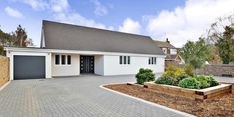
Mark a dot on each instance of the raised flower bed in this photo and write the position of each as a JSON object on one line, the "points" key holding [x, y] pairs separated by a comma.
{"points": [[196, 94], [176, 81]]}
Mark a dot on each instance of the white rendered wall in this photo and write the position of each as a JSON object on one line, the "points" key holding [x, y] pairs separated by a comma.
{"points": [[66, 70], [99, 64], [112, 66], [47, 61]]}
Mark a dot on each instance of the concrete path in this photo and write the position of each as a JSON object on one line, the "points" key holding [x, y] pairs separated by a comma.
{"points": [[73, 97], [225, 79]]}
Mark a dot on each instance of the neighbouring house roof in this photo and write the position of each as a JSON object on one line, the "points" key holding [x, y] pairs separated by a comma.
{"points": [[73, 37], [171, 57], [164, 44]]}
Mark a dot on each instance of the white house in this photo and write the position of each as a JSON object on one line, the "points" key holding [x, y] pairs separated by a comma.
{"points": [[70, 50]]}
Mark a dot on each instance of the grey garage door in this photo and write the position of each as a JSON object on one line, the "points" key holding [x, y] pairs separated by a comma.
{"points": [[29, 67]]}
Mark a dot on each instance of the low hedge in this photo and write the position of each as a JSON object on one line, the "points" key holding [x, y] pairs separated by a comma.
{"points": [[181, 77], [198, 82], [190, 83], [165, 80], [206, 81], [145, 75]]}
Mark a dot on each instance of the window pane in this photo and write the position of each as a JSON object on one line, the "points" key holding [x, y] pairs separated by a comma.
{"points": [[152, 60], [128, 59], [155, 60], [149, 60], [63, 59], [120, 60], [57, 59], [69, 59], [125, 61]]}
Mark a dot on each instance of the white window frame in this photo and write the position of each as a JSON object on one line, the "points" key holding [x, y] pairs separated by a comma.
{"points": [[164, 50], [60, 60], [124, 60], [173, 51], [152, 61]]}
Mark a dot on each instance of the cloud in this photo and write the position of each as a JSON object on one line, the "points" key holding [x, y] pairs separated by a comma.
{"points": [[35, 4], [13, 12], [130, 26], [188, 22], [59, 5], [61, 11], [100, 10], [75, 18]]}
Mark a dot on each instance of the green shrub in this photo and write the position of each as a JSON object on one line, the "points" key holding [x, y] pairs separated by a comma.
{"points": [[165, 80], [190, 83], [173, 71], [189, 70], [145, 75], [204, 81], [212, 81], [181, 77], [207, 81]]}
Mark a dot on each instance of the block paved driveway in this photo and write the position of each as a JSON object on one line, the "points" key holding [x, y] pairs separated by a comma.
{"points": [[73, 97]]}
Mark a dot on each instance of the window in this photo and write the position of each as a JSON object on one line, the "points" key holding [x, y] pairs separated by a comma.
{"points": [[173, 51], [57, 59], [152, 61], [120, 60], [69, 59], [155, 60], [63, 59], [128, 59], [124, 60], [164, 50]]}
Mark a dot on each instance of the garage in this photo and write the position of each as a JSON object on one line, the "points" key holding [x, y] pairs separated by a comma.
{"points": [[29, 67]]}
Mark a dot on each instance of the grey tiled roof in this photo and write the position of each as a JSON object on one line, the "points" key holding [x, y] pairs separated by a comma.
{"points": [[73, 37], [164, 44], [171, 57]]}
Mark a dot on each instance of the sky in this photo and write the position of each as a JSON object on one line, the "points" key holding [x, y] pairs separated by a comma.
{"points": [[177, 20]]}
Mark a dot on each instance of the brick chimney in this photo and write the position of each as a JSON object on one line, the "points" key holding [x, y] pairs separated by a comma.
{"points": [[167, 40]]}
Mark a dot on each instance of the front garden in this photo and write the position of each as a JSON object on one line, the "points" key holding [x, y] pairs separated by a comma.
{"points": [[177, 77], [182, 90]]}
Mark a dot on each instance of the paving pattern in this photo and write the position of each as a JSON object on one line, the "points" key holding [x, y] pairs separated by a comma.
{"points": [[73, 97]]}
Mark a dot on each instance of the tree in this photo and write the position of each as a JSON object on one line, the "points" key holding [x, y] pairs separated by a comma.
{"points": [[215, 59], [226, 45], [20, 37], [221, 34], [4, 41], [196, 53], [1, 50]]}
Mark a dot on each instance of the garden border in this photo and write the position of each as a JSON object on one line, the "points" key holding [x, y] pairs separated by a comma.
{"points": [[196, 94]]}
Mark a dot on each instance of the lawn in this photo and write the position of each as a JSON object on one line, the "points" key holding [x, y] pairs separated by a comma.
{"points": [[215, 107]]}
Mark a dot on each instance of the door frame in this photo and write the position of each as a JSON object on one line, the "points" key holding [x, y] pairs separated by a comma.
{"points": [[47, 55], [92, 72], [44, 67]]}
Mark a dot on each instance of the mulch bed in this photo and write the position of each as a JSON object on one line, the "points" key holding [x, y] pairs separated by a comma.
{"points": [[216, 107]]}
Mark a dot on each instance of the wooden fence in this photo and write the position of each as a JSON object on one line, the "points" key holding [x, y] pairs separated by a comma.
{"points": [[212, 69]]}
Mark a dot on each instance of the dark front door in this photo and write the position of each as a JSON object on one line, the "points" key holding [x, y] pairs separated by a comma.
{"points": [[29, 67], [86, 64]]}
